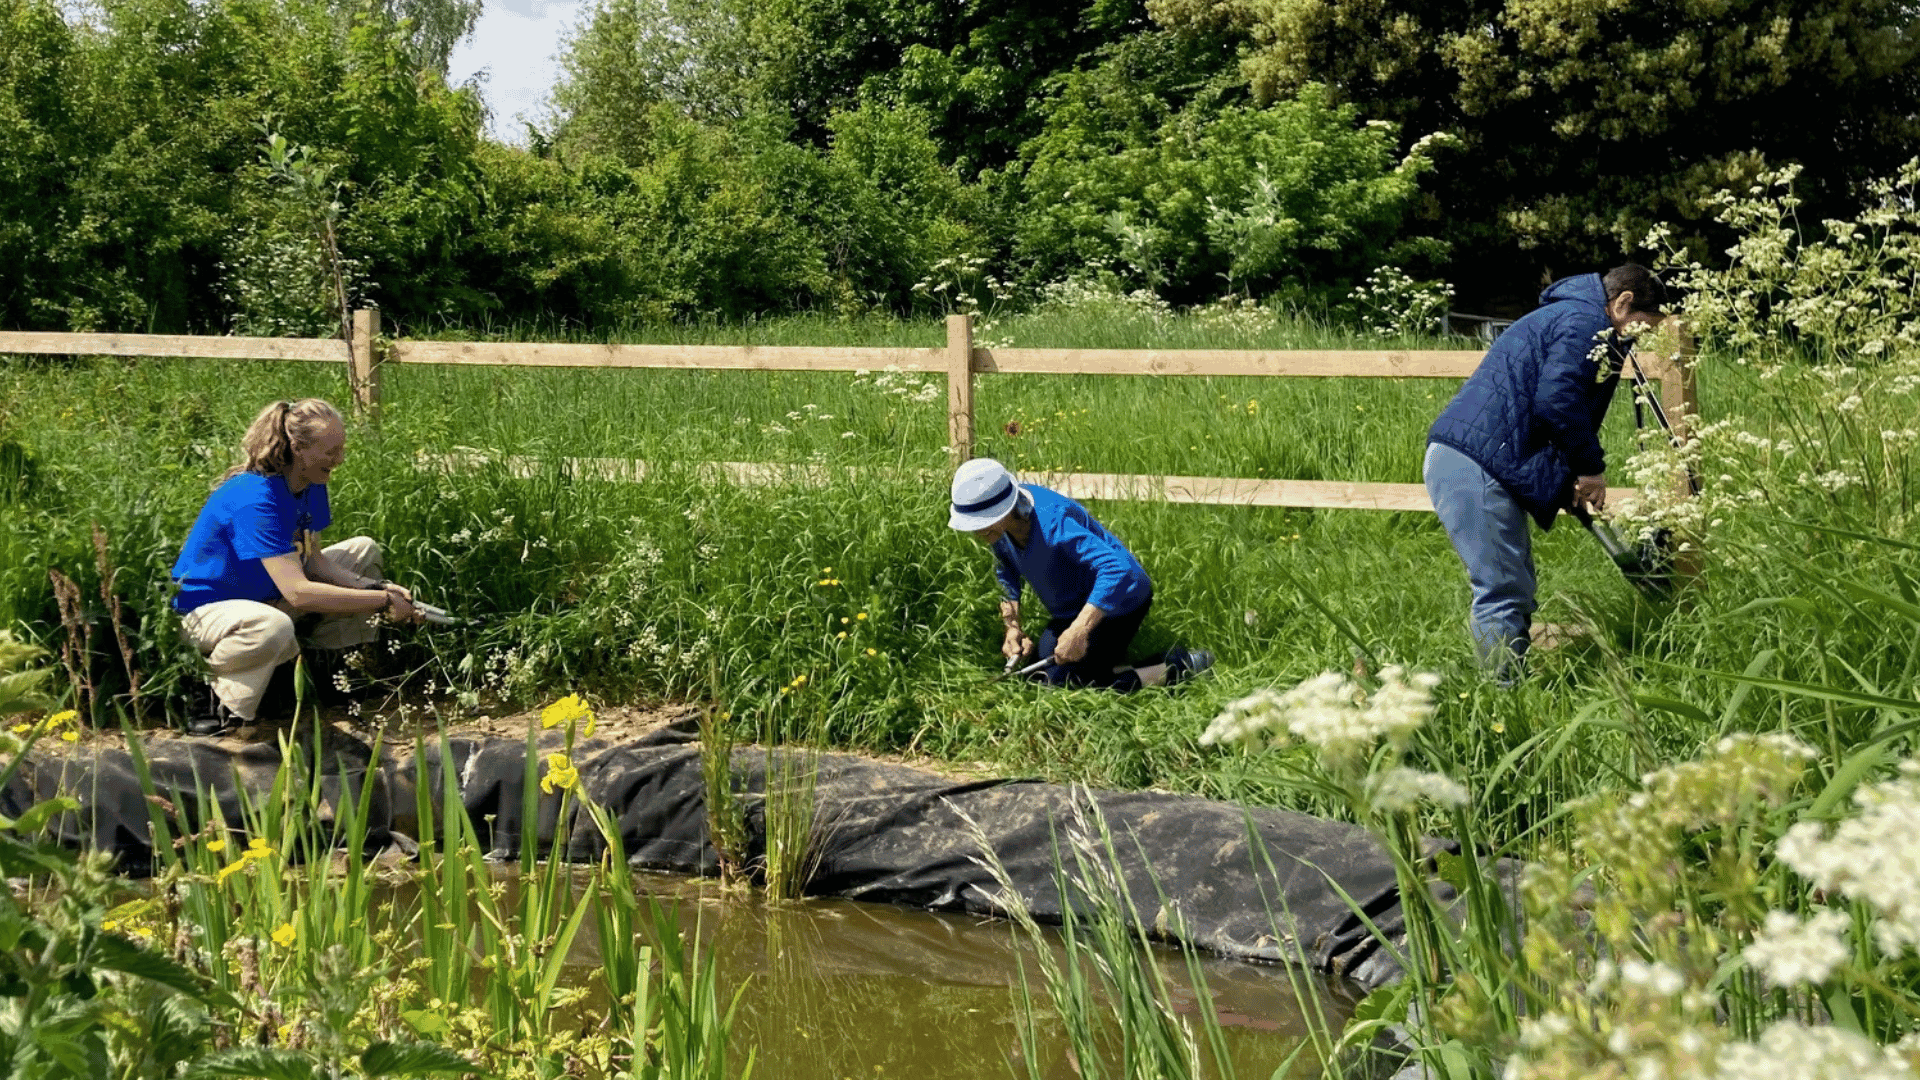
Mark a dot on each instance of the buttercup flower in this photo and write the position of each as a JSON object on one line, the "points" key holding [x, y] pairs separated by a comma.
{"points": [[283, 935]]}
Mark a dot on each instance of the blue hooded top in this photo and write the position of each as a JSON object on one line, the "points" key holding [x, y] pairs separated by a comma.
{"points": [[1070, 560], [1530, 414]]}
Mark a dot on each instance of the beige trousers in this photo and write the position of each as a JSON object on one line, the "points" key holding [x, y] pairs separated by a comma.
{"points": [[244, 640]]}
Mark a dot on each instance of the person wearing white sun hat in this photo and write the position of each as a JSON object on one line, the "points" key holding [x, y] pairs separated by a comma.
{"points": [[1095, 592]]}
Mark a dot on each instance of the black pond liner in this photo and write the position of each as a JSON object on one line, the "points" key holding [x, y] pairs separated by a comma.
{"points": [[888, 834]]}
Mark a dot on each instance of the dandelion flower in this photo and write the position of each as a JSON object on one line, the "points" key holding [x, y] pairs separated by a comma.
{"points": [[561, 774], [216, 845], [283, 935], [1788, 952], [841, 636], [862, 617], [873, 652]]}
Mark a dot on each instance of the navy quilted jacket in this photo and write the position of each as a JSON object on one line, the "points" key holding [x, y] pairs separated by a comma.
{"points": [[1531, 413]]}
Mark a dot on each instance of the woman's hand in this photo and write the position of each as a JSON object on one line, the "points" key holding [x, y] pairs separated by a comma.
{"points": [[400, 607]]}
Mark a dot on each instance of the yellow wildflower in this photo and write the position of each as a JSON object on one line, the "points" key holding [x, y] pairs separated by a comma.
{"points": [[216, 845], [560, 774], [64, 717], [862, 617], [841, 636], [844, 620], [799, 680], [109, 925], [231, 869], [568, 710], [871, 652], [826, 569], [283, 935], [69, 736], [21, 729], [256, 849], [1253, 406]]}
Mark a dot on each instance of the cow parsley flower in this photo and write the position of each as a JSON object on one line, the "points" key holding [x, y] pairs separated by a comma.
{"points": [[1788, 952], [1870, 857]]}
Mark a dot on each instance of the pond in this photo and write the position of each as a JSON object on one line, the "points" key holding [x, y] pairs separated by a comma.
{"points": [[839, 989]]}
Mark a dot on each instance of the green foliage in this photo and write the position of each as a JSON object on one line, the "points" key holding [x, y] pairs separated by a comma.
{"points": [[1215, 198], [1583, 123]]}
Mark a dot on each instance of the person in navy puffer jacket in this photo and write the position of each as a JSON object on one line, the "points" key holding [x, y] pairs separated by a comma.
{"points": [[1522, 439]]}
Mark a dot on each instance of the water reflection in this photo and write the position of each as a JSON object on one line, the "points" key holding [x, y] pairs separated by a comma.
{"points": [[836, 989]]}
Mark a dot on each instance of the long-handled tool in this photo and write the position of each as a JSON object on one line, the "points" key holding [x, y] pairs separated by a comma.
{"points": [[1648, 567]]}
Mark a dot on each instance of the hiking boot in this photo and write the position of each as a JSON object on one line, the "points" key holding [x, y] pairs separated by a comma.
{"points": [[219, 720], [1184, 663]]}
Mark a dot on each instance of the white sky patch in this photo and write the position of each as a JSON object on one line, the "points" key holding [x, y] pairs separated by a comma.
{"points": [[514, 50]]}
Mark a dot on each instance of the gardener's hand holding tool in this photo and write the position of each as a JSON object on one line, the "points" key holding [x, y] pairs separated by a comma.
{"points": [[1017, 644], [1590, 492]]}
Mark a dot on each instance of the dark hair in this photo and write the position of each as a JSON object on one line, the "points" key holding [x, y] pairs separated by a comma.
{"points": [[1649, 294]]}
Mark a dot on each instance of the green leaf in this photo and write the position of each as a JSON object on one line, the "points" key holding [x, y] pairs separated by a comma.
{"points": [[1812, 690], [1859, 764], [413, 1059], [1886, 600], [1674, 706], [258, 1063], [426, 1022], [113, 952], [40, 813]]}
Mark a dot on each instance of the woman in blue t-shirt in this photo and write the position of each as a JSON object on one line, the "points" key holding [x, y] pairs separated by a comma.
{"points": [[253, 561]]}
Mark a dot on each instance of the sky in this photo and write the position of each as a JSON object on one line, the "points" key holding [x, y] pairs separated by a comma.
{"points": [[513, 49]]}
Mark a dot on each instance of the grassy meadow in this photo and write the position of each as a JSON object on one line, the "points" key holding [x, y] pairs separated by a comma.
{"points": [[1712, 792]]}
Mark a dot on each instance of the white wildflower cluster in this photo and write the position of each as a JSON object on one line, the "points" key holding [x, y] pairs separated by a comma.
{"points": [[1790, 1050], [1392, 304], [1235, 315], [1719, 789], [913, 386], [961, 285], [1787, 952], [1400, 789], [1331, 712], [1871, 857]]}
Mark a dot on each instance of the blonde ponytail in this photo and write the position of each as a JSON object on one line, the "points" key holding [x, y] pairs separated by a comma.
{"points": [[281, 430]]}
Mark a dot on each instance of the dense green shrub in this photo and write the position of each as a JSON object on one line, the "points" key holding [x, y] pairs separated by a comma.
{"points": [[1213, 199]]}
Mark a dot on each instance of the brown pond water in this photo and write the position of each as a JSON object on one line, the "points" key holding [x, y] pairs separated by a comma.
{"points": [[842, 990]]}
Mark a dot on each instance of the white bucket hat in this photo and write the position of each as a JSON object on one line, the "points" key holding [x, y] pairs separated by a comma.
{"points": [[983, 493]]}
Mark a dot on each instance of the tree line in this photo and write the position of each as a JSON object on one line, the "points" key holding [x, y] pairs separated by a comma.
{"points": [[241, 165]]}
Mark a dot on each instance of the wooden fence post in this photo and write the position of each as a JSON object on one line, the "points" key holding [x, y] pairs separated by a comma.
{"points": [[960, 386], [363, 371]]}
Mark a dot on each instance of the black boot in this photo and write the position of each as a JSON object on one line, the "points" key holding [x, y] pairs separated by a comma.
{"points": [[1184, 663], [216, 720]]}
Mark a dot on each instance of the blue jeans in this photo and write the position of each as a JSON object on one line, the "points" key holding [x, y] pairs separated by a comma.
{"points": [[1489, 531]]}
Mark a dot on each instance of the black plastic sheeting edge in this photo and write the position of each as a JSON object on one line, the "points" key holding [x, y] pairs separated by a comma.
{"points": [[1252, 884]]}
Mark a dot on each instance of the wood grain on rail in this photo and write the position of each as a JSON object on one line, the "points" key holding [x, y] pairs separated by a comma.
{"points": [[182, 345], [722, 357], [1338, 363]]}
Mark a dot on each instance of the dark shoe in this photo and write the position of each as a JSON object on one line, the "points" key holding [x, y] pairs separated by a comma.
{"points": [[1184, 663], [220, 720]]}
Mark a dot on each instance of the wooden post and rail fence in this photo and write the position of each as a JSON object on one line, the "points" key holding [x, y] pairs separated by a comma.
{"points": [[366, 353]]}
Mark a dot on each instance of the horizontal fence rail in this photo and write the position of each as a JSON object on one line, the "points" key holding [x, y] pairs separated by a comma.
{"points": [[365, 353]]}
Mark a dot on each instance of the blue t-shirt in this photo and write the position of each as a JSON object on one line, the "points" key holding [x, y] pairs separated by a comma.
{"points": [[1070, 560], [247, 519]]}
